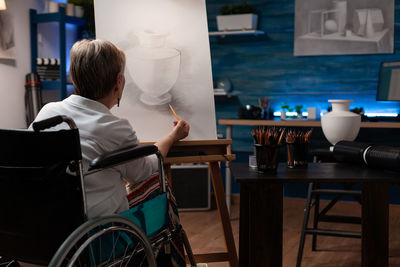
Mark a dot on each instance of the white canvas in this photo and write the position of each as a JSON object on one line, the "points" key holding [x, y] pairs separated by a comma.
{"points": [[168, 62]]}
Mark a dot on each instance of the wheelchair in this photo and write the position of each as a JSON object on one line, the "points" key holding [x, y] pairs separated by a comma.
{"points": [[43, 208]]}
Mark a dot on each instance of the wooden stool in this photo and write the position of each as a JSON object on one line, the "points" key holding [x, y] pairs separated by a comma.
{"points": [[314, 189]]}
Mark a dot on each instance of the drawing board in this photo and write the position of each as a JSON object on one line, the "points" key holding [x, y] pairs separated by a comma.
{"points": [[167, 63]]}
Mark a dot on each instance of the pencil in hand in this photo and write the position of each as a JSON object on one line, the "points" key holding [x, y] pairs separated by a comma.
{"points": [[173, 111]]}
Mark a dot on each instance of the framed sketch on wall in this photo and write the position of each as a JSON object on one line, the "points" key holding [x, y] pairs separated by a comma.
{"points": [[340, 27], [7, 45]]}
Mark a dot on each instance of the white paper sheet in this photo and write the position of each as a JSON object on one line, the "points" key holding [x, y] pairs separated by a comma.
{"points": [[168, 62]]}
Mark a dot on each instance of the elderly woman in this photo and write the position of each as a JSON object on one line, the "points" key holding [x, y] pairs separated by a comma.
{"points": [[97, 70]]}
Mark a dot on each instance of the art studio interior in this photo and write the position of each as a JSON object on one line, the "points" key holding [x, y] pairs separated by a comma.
{"points": [[200, 133]]}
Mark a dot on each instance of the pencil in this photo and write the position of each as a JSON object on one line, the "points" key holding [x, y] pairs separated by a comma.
{"points": [[173, 111]]}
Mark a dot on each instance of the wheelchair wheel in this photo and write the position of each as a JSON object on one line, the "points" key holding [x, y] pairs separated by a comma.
{"points": [[5, 262], [106, 241]]}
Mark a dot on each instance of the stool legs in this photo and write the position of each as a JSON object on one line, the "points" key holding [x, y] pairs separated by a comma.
{"points": [[314, 189], [316, 218], [305, 221]]}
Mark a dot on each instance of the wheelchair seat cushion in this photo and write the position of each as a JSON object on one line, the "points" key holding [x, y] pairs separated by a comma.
{"points": [[147, 190], [151, 216]]}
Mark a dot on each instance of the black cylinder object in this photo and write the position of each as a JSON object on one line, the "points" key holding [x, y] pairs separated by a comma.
{"points": [[383, 157], [33, 96], [349, 151]]}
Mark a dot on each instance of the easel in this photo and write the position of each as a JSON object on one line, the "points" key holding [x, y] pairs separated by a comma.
{"points": [[211, 152]]}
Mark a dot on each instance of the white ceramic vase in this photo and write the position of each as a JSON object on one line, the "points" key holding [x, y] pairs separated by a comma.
{"points": [[154, 67], [340, 124]]}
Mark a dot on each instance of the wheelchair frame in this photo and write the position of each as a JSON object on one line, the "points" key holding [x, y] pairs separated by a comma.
{"points": [[78, 244]]}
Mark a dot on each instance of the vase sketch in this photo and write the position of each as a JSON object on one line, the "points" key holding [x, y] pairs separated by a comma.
{"points": [[340, 124], [154, 67]]}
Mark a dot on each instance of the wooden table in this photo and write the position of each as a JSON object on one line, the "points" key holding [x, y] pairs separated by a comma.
{"points": [[261, 209], [280, 123]]}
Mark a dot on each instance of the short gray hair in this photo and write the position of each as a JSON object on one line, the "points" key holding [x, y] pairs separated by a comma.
{"points": [[94, 67]]}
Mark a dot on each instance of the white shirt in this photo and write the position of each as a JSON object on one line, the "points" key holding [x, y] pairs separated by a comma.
{"points": [[100, 131]]}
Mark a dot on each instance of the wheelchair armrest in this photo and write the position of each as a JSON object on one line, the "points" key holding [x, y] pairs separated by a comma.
{"points": [[122, 155]]}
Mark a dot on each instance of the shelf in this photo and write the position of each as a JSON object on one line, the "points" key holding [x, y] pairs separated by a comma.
{"points": [[52, 85], [222, 92], [56, 17], [61, 19], [244, 32]]}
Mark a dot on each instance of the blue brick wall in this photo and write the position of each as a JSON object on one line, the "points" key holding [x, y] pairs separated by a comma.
{"points": [[264, 66]]}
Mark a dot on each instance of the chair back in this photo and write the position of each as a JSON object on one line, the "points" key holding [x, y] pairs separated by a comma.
{"points": [[40, 202]]}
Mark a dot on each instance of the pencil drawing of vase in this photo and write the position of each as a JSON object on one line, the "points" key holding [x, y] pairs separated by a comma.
{"points": [[154, 67]]}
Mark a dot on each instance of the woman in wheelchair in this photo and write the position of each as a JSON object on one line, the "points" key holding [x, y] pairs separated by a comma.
{"points": [[97, 70]]}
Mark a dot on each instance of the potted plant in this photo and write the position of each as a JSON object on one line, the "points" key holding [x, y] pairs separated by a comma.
{"points": [[237, 17], [298, 109], [285, 107]]}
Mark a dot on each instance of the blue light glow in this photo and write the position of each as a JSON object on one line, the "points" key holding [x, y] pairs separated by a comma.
{"points": [[370, 106], [372, 114], [368, 114]]}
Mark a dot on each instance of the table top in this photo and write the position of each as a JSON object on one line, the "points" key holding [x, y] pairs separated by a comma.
{"points": [[300, 123], [315, 172]]}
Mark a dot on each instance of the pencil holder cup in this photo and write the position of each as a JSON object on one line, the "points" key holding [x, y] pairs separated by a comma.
{"points": [[267, 157], [297, 155]]}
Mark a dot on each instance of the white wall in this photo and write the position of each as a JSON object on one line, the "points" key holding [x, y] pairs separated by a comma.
{"points": [[12, 73]]}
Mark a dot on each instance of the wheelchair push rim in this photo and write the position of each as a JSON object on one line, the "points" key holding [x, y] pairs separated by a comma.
{"points": [[74, 246]]}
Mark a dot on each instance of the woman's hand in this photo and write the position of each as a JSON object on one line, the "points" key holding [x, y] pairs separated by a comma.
{"points": [[180, 131]]}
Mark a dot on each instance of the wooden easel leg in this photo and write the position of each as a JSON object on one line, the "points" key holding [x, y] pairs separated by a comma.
{"points": [[223, 213]]}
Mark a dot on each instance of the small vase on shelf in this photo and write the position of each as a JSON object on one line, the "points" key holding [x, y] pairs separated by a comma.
{"points": [[340, 124], [283, 115]]}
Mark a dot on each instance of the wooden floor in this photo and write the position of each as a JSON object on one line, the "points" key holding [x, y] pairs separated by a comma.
{"points": [[205, 235]]}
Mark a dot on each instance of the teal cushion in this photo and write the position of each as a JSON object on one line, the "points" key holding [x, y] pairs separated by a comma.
{"points": [[151, 216]]}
